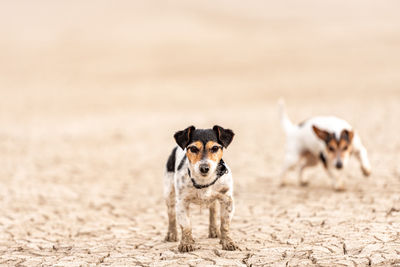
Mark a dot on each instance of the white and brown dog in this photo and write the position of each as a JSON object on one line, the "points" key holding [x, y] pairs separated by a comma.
{"points": [[329, 140], [195, 173]]}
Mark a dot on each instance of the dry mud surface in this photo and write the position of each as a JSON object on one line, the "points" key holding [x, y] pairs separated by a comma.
{"points": [[91, 94]]}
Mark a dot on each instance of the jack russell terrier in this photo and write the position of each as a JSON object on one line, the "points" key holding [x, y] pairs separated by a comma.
{"points": [[326, 139], [196, 173]]}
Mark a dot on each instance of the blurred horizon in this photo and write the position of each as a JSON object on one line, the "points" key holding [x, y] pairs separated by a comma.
{"points": [[58, 55]]}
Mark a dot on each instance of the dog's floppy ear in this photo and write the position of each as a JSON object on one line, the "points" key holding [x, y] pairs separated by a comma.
{"points": [[347, 135], [182, 138], [323, 135], [224, 136]]}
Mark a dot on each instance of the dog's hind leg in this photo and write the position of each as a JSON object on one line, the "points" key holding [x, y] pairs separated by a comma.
{"points": [[309, 161], [362, 156], [172, 234], [289, 163], [213, 228]]}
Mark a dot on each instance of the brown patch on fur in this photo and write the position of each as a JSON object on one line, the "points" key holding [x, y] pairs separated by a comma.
{"points": [[226, 240], [187, 241], [346, 137], [332, 145], [321, 134], [223, 190], [344, 146], [307, 154], [214, 156], [172, 235], [204, 152], [213, 229], [195, 157]]}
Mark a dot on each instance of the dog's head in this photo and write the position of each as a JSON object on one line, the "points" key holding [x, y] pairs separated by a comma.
{"points": [[338, 149], [204, 149]]}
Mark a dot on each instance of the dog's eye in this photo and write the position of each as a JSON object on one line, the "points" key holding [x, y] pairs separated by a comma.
{"points": [[194, 150], [214, 149], [345, 148], [331, 149]]}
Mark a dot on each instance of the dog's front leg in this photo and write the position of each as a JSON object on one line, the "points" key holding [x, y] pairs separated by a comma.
{"points": [[291, 159], [362, 156], [337, 181], [227, 209], [172, 235], [182, 212], [212, 229]]}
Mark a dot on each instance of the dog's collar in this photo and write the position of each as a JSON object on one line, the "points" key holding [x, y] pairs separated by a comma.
{"points": [[221, 170]]}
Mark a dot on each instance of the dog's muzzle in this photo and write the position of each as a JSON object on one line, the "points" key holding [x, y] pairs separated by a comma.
{"points": [[221, 170], [204, 169], [339, 165]]}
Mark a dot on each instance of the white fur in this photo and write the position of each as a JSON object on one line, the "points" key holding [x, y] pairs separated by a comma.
{"points": [[303, 145]]}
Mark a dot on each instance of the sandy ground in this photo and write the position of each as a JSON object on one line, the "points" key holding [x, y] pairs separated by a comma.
{"points": [[92, 92]]}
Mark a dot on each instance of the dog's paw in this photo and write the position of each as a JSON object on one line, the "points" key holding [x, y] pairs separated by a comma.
{"points": [[186, 247], [228, 244], [171, 237], [213, 233], [366, 171], [339, 187]]}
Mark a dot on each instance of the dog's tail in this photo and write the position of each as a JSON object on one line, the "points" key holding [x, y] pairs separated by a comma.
{"points": [[287, 125]]}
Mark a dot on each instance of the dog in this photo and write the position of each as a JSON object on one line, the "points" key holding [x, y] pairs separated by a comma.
{"points": [[326, 139], [196, 173]]}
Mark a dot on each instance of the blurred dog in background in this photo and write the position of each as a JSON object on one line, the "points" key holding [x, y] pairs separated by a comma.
{"points": [[326, 139]]}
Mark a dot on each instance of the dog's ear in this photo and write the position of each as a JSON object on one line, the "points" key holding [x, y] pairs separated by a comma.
{"points": [[224, 136], [323, 135], [347, 135], [182, 138]]}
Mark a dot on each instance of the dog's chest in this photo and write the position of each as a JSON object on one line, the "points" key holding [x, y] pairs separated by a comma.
{"points": [[201, 196]]}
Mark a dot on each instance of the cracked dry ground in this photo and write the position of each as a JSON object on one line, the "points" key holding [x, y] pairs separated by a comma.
{"points": [[88, 190]]}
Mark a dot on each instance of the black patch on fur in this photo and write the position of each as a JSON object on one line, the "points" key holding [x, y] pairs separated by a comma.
{"points": [[191, 134], [221, 168], [182, 163], [345, 136], [335, 138], [171, 161], [225, 136], [329, 137], [183, 138], [323, 159], [204, 136]]}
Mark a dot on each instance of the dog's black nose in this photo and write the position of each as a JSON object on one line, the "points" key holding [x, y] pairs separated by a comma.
{"points": [[339, 165], [204, 168]]}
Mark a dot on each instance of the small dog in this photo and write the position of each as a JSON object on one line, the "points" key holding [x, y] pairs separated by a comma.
{"points": [[196, 173], [329, 140]]}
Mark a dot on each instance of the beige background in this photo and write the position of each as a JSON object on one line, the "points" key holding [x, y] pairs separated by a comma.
{"points": [[92, 92]]}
